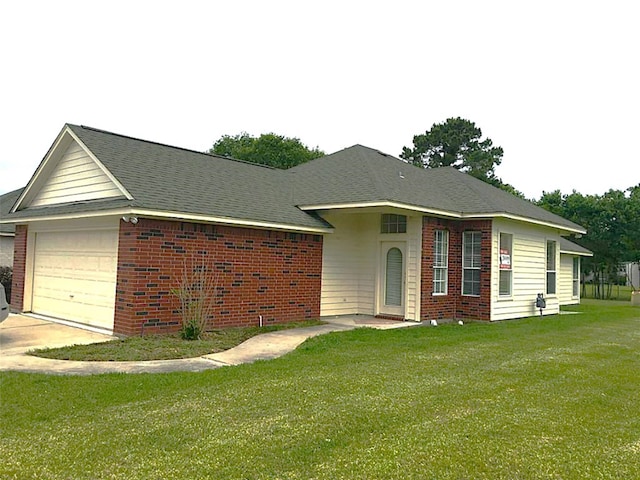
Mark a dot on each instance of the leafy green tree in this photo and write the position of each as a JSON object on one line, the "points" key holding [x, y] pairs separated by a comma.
{"points": [[457, 143], [612, 221], [267, 149]]}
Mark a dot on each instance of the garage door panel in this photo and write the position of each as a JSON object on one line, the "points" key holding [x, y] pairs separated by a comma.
{"points": [[75, 276]]}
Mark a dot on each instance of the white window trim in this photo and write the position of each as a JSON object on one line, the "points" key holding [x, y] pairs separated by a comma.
{"points": [[479, 268], [576, 278], [444, 267], [554, 271], [509, 295]]}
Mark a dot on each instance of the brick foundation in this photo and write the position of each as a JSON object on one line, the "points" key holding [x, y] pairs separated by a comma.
{"points": [[259, 272], [454, 305]]}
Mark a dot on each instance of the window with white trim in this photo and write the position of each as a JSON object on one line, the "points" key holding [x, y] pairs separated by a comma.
{"points": [[440, 262], [576, 277], [392, 223], [506, 264], [551, 267], [471, 263]]}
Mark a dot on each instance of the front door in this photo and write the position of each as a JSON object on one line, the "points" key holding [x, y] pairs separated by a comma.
{"points": [[392, 275]]}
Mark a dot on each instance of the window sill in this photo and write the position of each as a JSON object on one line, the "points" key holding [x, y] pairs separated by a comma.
{"points": [[439, 294]]}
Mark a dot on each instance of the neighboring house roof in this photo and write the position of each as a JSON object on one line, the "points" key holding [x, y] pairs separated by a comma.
{"points": [[567, 246], [6, 202], [159, 180], [360, 176]]}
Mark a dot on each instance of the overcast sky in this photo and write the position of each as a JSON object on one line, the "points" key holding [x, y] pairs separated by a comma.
{"points": [[555, 83]]}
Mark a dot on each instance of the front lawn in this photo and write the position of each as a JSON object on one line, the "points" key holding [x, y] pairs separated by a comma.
{"points": [[552, 398], [164, 347]]}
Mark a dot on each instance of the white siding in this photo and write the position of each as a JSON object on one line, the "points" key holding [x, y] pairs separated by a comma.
{"points": [[351, 264], [6, 251], [75, 178], [529, 271], [565, 282]]}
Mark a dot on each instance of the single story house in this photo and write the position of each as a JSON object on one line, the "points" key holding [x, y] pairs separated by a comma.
{"points": [[7, 230], [105, 225]]}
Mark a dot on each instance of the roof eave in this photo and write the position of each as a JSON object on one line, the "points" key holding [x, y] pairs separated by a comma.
{"points": [[179, 216], [573, 252], [440, 213]]}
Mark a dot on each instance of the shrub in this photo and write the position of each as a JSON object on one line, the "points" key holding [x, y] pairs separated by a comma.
{"points": [[6, 277], [196, 290]]}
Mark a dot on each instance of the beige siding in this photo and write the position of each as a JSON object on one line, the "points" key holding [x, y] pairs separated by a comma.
{"points": [[414, 258], [75, 178], [348, 276], [351, 264], [565, 283], [529, 271]]}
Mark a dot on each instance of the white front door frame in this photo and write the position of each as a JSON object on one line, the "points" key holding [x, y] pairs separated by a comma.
{"points": [[384, 307]]}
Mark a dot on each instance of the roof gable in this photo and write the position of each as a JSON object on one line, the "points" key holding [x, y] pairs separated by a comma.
{"points": [[361, 176], [69, 173], [177, 182]]}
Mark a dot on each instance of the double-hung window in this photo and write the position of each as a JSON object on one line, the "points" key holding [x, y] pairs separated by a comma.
{"points": [[551, 267], [506, 264], [576, 277], [471, 258], [440, 262]]}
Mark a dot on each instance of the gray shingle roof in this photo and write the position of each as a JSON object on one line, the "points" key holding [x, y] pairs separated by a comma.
{"points": [[361, 174], [171, 179], [567, 246], [162, 177], [6, 203]]}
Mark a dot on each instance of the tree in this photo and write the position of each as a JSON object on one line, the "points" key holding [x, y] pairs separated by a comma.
{"points": [[267, 149], [613, 228], [456, 143]]}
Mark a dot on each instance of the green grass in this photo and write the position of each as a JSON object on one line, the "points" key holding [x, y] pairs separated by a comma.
{"points": [[618, 292], [552, 398], [163, 347]]}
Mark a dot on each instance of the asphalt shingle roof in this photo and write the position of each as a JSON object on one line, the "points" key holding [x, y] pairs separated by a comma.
{"points": [[161, 177], [361, 174], [171, 179], [6, 203], [569, 246]]}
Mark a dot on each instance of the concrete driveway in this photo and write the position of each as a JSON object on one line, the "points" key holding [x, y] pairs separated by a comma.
{"points": [[19, 334]]}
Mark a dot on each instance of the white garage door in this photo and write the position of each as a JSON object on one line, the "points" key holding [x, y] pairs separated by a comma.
{"points": [[74, 276]]}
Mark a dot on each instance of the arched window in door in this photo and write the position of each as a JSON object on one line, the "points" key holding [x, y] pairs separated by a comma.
{"points": [[393, 278]]}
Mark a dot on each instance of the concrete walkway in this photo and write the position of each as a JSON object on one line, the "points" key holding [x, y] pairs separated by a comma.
{"points": [[20, 334]]}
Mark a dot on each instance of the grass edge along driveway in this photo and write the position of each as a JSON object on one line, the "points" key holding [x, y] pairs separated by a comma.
{"points": [[536, 398]]}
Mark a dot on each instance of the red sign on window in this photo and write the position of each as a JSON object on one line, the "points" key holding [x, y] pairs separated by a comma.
{"points": [[505, 259]]}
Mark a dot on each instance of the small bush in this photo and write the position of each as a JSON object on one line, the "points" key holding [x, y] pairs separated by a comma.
{"points": [[196, 291], [6, 275]]}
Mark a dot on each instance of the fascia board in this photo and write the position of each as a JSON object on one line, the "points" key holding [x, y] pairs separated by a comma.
{"points": [[179, 216], [439, 213], [571, 252], [39, 170]]}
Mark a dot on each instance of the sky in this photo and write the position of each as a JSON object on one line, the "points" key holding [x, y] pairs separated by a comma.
{"points": [[556, 83]]}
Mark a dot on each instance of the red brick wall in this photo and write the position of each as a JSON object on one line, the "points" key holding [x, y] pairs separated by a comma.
{"points": [[19, 267], [454, 305], [259, 272]]}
